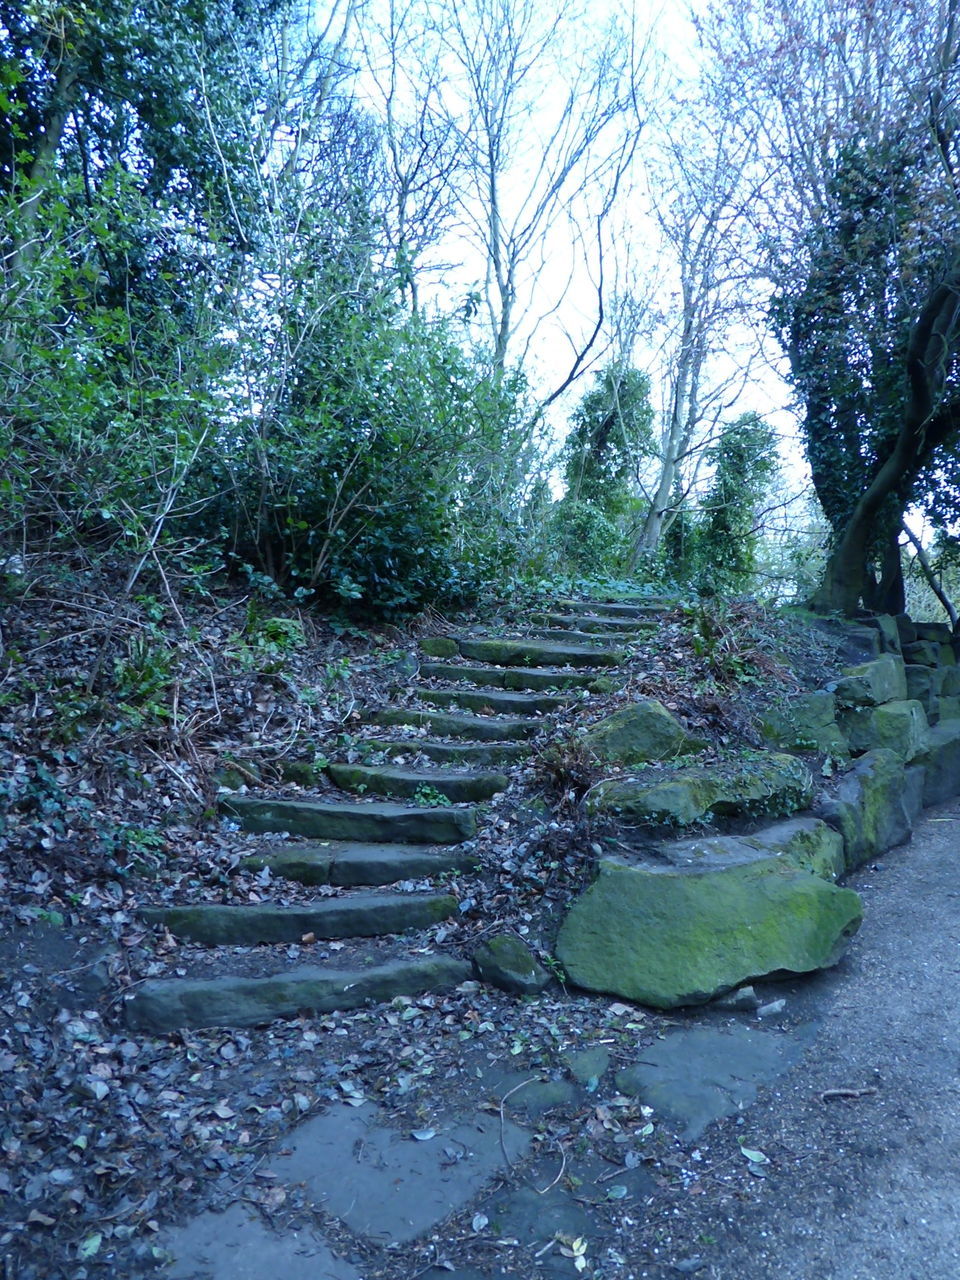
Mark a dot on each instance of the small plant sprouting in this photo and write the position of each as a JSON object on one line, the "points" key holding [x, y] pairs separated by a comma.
{"points": [[427, 795]]}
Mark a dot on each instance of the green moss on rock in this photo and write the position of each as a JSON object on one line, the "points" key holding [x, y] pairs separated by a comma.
{"points": [[637, 734], [673, 938], [899, 726], [772, 785]]}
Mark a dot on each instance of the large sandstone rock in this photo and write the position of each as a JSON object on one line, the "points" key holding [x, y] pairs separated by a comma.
{"points": [[870, 683], [873, 806], [900, 726], [640, 733], [805, 722], [941, 762], [770, 785], [667, 937]]}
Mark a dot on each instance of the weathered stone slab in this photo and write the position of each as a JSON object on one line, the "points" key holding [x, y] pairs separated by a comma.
{"points": [[697, 1075], [946, 708], [248, 925], [805, 722], [506, 962], [649, 607], [498, 701], [343, 863], [923, 685], [924, 652], [772, 785], [870, 807], [238, 1245], [941, 761], [871, 683], [669, 938], [889, 631], [855, 642], [609, 626], [640, 733], [439, 646], [159, 1006], [476, 753], [508, 677], [935, 632], [390, 780], [804, 844], [462, 725], [538, 653], [361, 822], [386, 1185], [899, 726], [950, 682]]}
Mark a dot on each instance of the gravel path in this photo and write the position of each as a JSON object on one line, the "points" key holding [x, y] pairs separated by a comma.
{"points": [[868, 1187]]}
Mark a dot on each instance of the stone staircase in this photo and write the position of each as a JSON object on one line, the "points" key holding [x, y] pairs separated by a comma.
{"points": [[475, 710]]}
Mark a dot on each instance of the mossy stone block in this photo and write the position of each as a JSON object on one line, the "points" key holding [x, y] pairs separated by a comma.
{"points": [[870, 683], [506, 962], [440, 647], [670, 938], [773, 784], [870, 807], [900, 726], [805, 722], [640, 733]]}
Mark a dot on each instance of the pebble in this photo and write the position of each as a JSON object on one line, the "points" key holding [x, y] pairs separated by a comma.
{"points": [[742, 998], [772, 1009]]}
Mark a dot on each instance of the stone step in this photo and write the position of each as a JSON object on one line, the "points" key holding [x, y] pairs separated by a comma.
{"points": [[617, 608], [537, 653], [320, 820], [364, 915], [389, 780], [497, 701], [582, 639], [162, 1005], [609, 627], [463, 725], [345, 863], [479, 753], [508, 677]]}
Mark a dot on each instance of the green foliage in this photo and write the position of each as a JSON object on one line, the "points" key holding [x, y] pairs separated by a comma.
{"points": [[430, 797], [610, 432], [745, 462]]}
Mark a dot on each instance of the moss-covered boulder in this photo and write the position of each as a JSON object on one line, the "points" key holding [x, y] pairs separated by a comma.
{"points": [[899, 726], [668, 937], [872, 807], [771, 785], [506, 962], [870, 683], [637, 734], [805, 722]]}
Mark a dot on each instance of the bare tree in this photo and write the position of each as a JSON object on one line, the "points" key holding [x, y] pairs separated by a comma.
{"points": [[856, 101], [700, 179], [423, 150], [547, 118]]}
